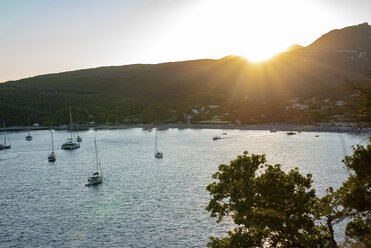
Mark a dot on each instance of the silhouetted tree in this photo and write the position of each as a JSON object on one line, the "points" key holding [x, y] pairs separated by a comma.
{"points": [[272, 207], [281, 209]]}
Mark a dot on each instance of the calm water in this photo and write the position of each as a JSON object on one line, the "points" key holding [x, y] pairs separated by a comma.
{"points": [[143, 202]]}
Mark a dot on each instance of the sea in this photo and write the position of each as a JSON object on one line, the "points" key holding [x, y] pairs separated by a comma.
{"points": [[143, 201]]}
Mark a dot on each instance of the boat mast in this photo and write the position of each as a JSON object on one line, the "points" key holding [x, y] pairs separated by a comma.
{"points": [[29, 127], [96, 154], [51, 133], [4, 134], [71, 122], [156, 141], [77, 128]]}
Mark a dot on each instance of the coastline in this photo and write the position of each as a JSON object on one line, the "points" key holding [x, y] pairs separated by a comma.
{"points": [[278, 127]]}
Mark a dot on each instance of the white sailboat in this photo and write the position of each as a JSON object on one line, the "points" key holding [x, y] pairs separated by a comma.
{"points": [[6, 137], [97, 177], [52, 156], [29, 137], [69, 144], [78, 139], [158, 154]]}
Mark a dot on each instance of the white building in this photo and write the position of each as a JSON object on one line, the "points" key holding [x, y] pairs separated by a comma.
{"points": [[300, 106]]}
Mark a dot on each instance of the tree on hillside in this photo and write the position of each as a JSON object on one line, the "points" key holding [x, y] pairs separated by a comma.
{"points": [[101, 118], [363, 104], [271, 207]]}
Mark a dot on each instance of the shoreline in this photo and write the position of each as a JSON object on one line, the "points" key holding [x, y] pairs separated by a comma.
{"points": [[278, 127]]}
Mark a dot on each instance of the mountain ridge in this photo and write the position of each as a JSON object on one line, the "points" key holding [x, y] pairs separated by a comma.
{"points": [[310, 71]]}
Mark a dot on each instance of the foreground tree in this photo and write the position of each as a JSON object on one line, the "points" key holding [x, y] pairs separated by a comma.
{"points": [[278, 209], [352, 200], [355, 196], [269, 206]]}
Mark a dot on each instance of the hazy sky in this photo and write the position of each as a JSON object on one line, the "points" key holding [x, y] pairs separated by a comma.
{"points": [[45, 36]]}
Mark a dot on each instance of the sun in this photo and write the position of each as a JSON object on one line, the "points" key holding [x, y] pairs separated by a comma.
{"points": [[259, 55], [240, 27], [256, 50]]}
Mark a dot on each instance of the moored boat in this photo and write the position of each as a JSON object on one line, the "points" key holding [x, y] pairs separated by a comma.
{"points": [[97, 177], [69, 144], [29, 137], [157, 153], [52, 157], [6, 145]]}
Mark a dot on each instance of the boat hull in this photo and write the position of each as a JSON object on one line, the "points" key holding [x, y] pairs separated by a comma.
{"points": [[52, 158], [70, 146], [159, 154], [94, 181]]}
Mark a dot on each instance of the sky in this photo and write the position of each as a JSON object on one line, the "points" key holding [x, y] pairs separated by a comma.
{"points": [[49, 36]]}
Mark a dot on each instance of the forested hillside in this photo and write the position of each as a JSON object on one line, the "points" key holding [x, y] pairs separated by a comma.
{"points": [[165, 92]]}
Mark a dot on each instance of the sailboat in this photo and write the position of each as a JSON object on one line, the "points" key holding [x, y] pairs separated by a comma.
{"points": [[6, 137], [52, 156], [69, 144], [78, 139], [28, 137], [97, 177], [158, 154]]}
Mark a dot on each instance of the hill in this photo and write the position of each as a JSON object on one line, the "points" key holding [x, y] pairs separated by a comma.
{"points": [[164, 92]]}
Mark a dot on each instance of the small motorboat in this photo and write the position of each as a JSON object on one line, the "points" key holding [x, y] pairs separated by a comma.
{"points": [[291, 133], [216, 137]]}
